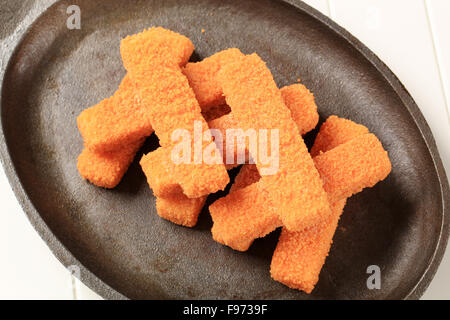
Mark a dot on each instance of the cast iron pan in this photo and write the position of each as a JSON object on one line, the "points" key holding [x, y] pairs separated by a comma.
{"points": [[123, 248]]}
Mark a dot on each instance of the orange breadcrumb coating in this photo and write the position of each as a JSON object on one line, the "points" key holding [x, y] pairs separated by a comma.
{"points": [[250, 208], [180, 209], [129, 103], [96, 166], [202, 77], [299, 256], [216, 112], [237, 229], [229, 231], [350, 167], [302, 105], [336, 131], [116, 121], [256, 102], [121, 158], [294, 96], [156, 46], [170, 102], [222, 124], [238, 235], [107, 169], [229, 227], [167, 178], [121, 119]]}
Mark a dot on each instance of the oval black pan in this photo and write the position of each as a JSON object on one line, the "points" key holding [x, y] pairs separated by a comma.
{"points": [[123, 247]]}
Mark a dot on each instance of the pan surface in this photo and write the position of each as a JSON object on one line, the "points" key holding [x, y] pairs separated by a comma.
{"points": [[123, 248]]}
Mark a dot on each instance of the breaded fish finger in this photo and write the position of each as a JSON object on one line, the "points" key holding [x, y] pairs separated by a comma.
{"points": [[300, 256], [256, 103], [96, 166], [180, 209], [115, 122], [350, 167], [202, 77]]}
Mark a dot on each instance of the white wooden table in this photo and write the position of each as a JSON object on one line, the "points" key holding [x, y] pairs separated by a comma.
{"points": [[411, 36]]}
